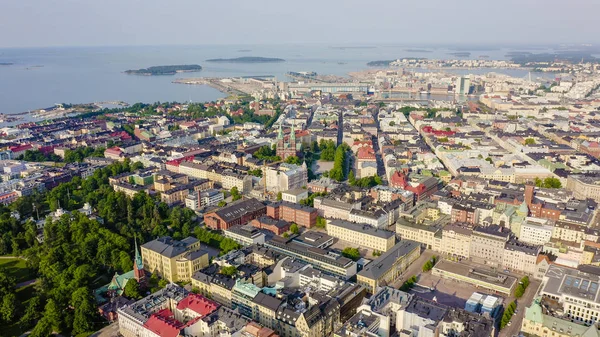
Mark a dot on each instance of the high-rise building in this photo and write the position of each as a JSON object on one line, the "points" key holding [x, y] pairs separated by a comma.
{"points": [[462, 85]]}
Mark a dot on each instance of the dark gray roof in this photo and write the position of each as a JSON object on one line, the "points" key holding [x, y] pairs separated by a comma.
{"points": [[267, 301], [383, 263], [237, 210], [167, 246]]}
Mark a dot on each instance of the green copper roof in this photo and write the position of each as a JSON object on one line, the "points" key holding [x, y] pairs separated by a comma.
{"points": [[534, 312], [523, 209], [248, 289]]}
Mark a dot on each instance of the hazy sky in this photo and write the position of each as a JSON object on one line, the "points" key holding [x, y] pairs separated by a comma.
{"points": [[26, 23]]}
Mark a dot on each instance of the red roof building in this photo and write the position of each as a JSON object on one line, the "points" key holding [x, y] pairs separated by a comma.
{"points": [[164, 324], [199, 304], [366, 153], [20, 149]]}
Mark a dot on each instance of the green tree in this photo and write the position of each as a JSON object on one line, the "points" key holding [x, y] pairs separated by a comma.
{"points": [[427, 266], [32, 313], [286, 235], [222, 203], [508, 313], [409, 284], [279, 196], [351, 253], [85, 310], [294, 228], [235, 194], [42, 329], [552, 182], [529, 141], [162, 283], [351, 178], [229, 271], [321, 222], [132, 289], [9, 309], [293, 160], [52, 314]]}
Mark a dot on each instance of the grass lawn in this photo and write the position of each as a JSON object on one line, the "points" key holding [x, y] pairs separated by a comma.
{"points": [[17, 268]]}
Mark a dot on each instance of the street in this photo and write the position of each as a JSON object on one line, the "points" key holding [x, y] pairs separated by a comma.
{"points": [[111, 330], [415, 268], [522, 303]]}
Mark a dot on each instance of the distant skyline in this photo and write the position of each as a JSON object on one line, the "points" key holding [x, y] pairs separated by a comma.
{"points": [[44, 23]]}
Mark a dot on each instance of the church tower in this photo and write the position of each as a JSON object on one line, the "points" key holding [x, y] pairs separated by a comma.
{"points": [[293, 139], [138, 266]]}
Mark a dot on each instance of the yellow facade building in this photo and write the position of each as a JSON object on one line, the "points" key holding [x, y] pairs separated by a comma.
{"points": [[362, 235], [389, 266], [174, 260]]}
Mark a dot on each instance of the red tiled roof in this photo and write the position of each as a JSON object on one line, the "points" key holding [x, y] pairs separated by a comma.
{"points": [[176, 162], [366, 152], [199, 304], [21, 148], [164, 324], [114, 150]]}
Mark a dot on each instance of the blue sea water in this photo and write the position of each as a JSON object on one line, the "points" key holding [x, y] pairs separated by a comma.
{"points": [[41, 77]]}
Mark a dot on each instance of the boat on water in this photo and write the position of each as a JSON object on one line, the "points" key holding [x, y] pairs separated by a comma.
{"points": [[424, 92]]}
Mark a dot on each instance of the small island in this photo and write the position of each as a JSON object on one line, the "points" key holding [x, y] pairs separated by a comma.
{"points": [[418, 51], [461, 54], [165, 70], [248, 59], [381, 63]]}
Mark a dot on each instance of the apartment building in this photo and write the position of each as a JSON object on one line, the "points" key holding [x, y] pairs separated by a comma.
{"points": [[171, 311], [521, 257], [456, 240], [304, 216], [584, 187], [129, 189], [294, 195], [243, 182], [286, 177], [210, 197], [333, 209], [487, 244], [362, 235], [536, 231], [427, 235], [388, 267], [568, 231], [174, 260]]}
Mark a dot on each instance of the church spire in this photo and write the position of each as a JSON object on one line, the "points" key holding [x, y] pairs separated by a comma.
{"points": [[138, 266], [280, 134], [293, 133]]}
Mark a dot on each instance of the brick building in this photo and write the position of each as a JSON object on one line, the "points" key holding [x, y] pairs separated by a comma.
{"points": [[301, 215], [239, 213]]}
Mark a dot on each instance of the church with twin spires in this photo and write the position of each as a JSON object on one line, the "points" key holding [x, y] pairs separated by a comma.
{"points": [[287, 148]]}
